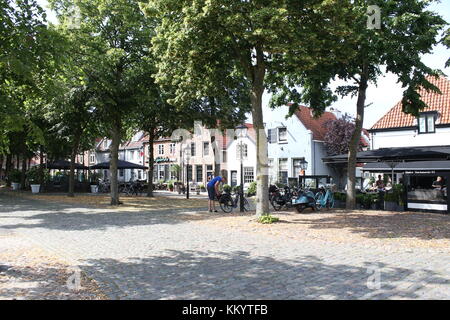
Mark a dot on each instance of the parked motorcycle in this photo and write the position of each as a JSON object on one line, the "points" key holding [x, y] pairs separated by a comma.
{"points": [[279, 199], [304, 200]]}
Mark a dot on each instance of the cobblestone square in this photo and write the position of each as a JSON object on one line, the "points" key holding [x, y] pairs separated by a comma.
{"points": [[176, 253]]}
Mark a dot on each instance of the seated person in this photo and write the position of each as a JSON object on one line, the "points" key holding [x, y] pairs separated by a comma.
{"points": [[439, 183], [379, 184]]}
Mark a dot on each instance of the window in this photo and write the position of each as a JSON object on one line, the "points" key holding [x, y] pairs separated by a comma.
{"points": [[199, 173], [173, 173], [172, 148], [105, 143], [139, 174], [161, 172], [92, 158], [193, 149], [427, 122], [205, 148], [272, 135], [249, 175], [160, 149], [297, 167], [224, 155], [209, 171], [282, 135], [121, 173], [283, 171], [241, 149]]}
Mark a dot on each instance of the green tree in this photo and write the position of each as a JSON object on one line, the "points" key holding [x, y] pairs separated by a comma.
{"points": [[408, 31], [117, 36], [206, 48]]}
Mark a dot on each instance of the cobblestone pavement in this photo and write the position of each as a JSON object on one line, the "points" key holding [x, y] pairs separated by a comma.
{"points": [[28, 271], [167, 255]]}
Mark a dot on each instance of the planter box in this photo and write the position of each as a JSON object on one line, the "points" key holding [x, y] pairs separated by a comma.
{"points": [[35, 188], [390, 206], [94, 188], [15, 186], [339, 204]]}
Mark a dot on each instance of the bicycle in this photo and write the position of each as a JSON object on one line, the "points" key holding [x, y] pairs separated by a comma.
{"points": [[279, 200], [104, 186], [324, 198], [228, 203]]}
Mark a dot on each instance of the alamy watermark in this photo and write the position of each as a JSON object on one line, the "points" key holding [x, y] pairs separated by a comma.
{"points": [[73, 283], [374, 279], [373, 17]]}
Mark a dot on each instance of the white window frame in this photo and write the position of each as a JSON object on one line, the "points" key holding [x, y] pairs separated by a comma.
{"points": [[426, 117], [172, 148], [160, 149], [278, 135], [249, 174], [206, 148]]}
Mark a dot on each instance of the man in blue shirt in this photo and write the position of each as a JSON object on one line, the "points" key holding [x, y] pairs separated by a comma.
{"points": [[213, 190]]}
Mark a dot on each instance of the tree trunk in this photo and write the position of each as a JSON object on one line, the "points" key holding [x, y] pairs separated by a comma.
{"points": [[151, 162], [262, 178], [41, 166], [1, 166], [355, 140], [8, 165], [115, 136], [24, 171], [73, 156]]}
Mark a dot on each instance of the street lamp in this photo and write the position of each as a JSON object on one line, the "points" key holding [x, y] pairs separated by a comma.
{"points": [[186, 153], [303, 167], [183, 160], [241, 133]]}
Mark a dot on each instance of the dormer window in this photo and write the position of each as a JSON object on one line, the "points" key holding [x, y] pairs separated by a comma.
{"points": [[427, 122], [282, 135]]}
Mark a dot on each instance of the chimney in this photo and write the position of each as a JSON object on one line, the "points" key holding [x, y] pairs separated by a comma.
{"points": [[336, 112]]}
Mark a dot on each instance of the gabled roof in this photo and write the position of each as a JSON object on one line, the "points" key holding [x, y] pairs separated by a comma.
{"points": [[315, 125], [395, 118]]}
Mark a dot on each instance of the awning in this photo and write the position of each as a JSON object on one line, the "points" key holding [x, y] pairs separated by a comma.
{"points": [[395, 154], [121, 164], [408, 166], [63, 165]]}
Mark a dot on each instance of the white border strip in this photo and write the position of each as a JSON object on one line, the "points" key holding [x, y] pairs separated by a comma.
{"points": [[427, 206]]}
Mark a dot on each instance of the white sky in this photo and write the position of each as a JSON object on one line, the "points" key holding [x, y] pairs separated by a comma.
{"points": [[383, 96]]}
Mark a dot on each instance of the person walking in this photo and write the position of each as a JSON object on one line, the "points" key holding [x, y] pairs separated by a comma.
{"points": [[213, 191]]}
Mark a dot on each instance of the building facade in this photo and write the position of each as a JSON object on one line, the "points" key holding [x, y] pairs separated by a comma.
{"points": [[294, 141]]}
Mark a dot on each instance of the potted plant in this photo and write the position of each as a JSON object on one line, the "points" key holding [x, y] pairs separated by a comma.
{"points": [[251, 191], [94, 179], [390, 201], [170, 186], [33, 176], [360, 201], [339, 200], [15, 176], [398, 190], [226, 188]]}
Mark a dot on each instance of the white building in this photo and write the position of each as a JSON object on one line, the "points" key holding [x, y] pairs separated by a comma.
{"points": [[431, 128], [248, 144], [292, 141]]}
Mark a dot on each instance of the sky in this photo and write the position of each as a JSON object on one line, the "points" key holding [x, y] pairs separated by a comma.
{"points": [[381, 97]]}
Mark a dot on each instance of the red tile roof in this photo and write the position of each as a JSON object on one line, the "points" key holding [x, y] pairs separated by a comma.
{"points": [[315, 125], [395, 118]]}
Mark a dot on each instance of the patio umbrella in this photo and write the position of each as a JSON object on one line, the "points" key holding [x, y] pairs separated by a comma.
{"points": [[63, 165], [121, 164]]}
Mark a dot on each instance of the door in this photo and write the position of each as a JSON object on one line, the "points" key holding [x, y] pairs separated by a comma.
{"points": [[233, 178]]}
